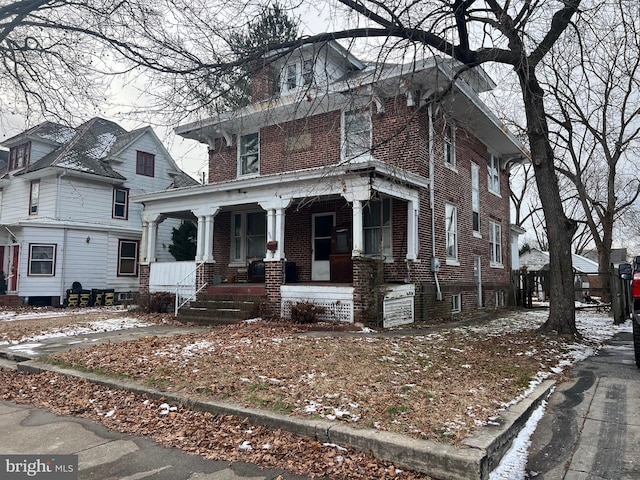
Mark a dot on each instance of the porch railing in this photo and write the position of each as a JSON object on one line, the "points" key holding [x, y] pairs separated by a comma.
{"points": [[188, 281]]}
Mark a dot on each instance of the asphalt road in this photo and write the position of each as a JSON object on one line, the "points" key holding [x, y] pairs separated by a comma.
{"points": [[591, 429]]}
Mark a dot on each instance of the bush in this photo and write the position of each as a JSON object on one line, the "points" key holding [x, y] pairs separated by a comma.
{"points": [[160, 302], [306, 312]]}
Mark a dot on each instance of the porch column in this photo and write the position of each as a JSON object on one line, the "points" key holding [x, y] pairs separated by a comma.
{"points": [[204, 239], [200, 238], [143, 242], [412, 230], [207, 255], [358, 240], [275, 226], [271, 232], [149, 236], [279, 234]]}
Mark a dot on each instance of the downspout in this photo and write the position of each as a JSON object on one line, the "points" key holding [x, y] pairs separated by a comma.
{"points": [[435, 263], [64, 238]]}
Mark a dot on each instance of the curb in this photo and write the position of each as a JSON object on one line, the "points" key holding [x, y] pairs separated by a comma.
{"points": [[474, 460]]}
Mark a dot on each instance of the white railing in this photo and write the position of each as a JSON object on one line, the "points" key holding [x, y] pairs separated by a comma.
{"points": [[162, 278], [188, 280]]}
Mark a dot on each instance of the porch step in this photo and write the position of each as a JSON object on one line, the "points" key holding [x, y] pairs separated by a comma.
{"points": [[221, 308]]}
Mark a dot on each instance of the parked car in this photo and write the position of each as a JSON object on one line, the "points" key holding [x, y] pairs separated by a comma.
{"points": [[632, 273]]}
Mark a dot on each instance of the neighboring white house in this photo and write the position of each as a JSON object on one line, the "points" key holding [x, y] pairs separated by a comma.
{"points": [[65, 215]]}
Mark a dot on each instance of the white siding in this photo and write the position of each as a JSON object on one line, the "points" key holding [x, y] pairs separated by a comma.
{"points": [[39, 286], [39, 150]]}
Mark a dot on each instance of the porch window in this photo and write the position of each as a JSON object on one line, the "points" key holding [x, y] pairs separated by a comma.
{"points": [[42, 259], [475, 198], [356, 127], [495, 244], [493, 169], [249, 154], [249, 236], [34, 197], [450, 144], [128, 258], [376, 221], [120, 207], [145, 164], [451, 213], [19, 156]]}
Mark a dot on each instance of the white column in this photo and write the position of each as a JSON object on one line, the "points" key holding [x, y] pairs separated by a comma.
{"points": [[151, 240], [207, 254], [200, 238], [143, 242], [279, 233], [358, 241], [412, 230], [271, 232]]}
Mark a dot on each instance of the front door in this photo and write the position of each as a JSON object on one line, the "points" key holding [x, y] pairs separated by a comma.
{"points": [[321, 229]]}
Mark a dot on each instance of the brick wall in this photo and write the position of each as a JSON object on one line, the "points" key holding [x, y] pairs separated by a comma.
{"points": [[274, 274]]}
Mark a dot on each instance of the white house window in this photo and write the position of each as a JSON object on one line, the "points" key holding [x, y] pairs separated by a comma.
{"points": [[356, 132], [248, 236], [495, 244], [42, 259], [376, 221], [249, 154], [450, 144], [475, 198], [120, 207], [493, 169], [128, 258], [451, 213], [307, 72], [34, 197], [291, 76], [456, 303]]}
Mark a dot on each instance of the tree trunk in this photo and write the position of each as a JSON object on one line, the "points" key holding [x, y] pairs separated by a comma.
{"points": [[560, 229]]}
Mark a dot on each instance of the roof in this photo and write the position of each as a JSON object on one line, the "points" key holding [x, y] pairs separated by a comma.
{"points": [[47, 132], [536, 260]]}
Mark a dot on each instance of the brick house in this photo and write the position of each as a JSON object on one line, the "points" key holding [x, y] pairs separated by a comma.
{"points": [[378, 191]]}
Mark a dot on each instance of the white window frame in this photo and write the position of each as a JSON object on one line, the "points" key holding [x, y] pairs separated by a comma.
{"points": [[308, 73], [350, 151], [500, 301], [120, 272], [493, 173], [39, 257], [456, 303], [239, 239], [34, 197], [475, 199], [386, 230], [451, 233], [243, 155], [495, 244], [125, 204], [449, 148], [291, 76]]}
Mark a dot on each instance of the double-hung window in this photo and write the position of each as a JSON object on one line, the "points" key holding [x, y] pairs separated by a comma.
{"points": [[128, 258], [495, 244], [19, 156], [493, 172], [248, 236], [376, 222], [356, 133], [307, 72], [42, 259], [145, 164], [34, 197], [120, 207], [475, 198], [450, 144], [451, 225], [291, 76], [249, 154]]}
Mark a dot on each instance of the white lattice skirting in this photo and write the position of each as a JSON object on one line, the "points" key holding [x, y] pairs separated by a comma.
{"points": [[338, 301]]}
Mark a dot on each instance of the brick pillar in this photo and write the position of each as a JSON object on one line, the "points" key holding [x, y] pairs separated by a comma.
{"points": [[367, 282], [143, 275], [204, 274], [273, 276]]}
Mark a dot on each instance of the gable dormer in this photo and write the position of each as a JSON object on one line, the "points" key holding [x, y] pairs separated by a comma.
{"points": [[31, 145]]}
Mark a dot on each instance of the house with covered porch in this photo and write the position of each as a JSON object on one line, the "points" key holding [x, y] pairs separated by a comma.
{"points": [[377, 191]]}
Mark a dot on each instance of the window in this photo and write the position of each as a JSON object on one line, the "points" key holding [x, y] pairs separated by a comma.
{"points": [[493, 169], [475, 198], [42, 259], [500, 298], [19, 156], [495, 244], [456, 303], [249, 236], [450, 144], [307, 72], [34, 197], [376, 221], [120, 203], [128, 258], [292, 76], [451, 226], [249, 154], [145, 164], [357, 132]]}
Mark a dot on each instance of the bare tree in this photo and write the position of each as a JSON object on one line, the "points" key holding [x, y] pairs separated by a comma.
{"points": [[594, 79]]}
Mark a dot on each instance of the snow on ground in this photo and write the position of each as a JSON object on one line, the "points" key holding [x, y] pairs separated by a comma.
{"points": [[47, 312]]}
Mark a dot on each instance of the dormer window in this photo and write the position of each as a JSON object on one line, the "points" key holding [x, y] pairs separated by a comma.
{"points": [[297, 74], [307, 72], [292, 76], [19, 156]]}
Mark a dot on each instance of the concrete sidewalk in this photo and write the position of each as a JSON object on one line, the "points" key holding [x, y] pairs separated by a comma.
{"points": [[477, 456]]}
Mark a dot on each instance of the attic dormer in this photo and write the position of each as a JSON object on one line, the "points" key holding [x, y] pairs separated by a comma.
{"points": [[31, 145]]}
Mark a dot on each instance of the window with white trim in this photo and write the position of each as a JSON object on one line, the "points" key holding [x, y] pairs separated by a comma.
{"points": [[120, 207], [42, 259], [376, 225], [356, 132], [291, 76], [456, 303], [500, 298], [450, 144], [34, 197], [128, 258], [307, 72], [451, 214], [249, 154], [495, 244], [475, 198], [248, 236], [493, 173]]}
